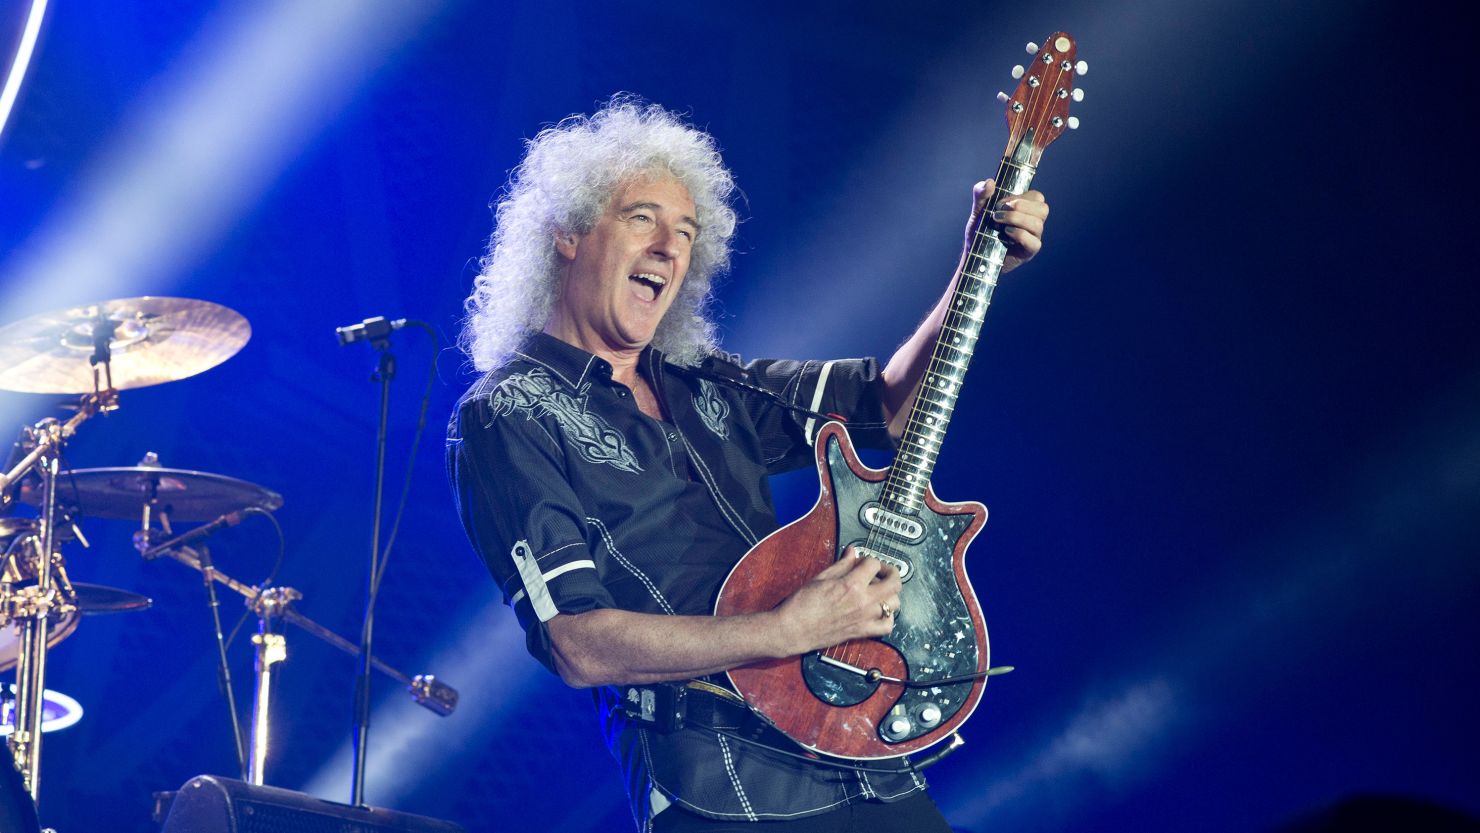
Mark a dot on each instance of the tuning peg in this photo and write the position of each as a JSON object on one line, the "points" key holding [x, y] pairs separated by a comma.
{"points": [[1003, 97], [1078, 94], [1032, 48], [1073, 122], [1017, 71], [1081, 68]]}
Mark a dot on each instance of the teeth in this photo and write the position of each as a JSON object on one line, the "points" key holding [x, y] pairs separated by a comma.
{"points": [[651, 278]]}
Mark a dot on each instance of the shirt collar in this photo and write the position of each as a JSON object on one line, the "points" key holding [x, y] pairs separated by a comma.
{"points": [[572, 364]]}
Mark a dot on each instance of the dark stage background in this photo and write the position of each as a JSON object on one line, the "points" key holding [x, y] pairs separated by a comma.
{"points": [[1228, 424]]}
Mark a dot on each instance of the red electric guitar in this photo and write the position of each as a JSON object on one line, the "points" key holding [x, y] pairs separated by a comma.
{"points": [[881, 698]]}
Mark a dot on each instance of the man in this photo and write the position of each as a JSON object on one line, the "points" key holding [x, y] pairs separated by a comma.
{"points": [[611, 464]]}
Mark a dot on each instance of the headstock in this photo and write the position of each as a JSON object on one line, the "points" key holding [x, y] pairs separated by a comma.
{"points": [[1045, 88]]}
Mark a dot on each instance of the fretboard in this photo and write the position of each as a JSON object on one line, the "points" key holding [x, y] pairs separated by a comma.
{"points": [[919, 448]]}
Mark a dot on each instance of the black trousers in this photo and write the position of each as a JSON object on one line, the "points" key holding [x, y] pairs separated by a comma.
{"points": [[916, 814]]}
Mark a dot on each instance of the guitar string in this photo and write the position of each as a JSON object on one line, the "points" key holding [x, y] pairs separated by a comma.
{"points": [[954, 317], [852, 651]]}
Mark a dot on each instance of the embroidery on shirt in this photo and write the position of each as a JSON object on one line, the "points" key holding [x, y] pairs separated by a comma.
{"points": [[713, 409], [535, 394]]}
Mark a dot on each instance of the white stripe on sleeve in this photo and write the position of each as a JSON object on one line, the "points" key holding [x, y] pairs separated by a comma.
{"points": [[817, 398], [535, 582]]}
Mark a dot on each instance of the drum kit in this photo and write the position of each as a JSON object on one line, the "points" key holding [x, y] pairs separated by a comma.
{"points": [[93, 352]]}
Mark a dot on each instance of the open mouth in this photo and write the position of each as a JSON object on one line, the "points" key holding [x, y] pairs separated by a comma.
{"points": [[650, 286]]}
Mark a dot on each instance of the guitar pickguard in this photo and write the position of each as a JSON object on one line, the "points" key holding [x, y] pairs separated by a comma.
{"points": [[933, 631]]}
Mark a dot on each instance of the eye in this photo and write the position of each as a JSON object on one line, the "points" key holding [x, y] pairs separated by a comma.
{"points": [[641, 217], [686, 234]]}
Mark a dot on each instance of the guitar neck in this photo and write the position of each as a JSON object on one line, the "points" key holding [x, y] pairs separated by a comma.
{"points": [[919, 448]]}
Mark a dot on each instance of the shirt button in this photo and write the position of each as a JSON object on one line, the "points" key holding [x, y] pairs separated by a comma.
{"points": [[672, 436], [622, 394]]}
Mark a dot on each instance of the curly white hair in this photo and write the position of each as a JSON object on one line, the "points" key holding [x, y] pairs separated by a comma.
{"points": [[566, 180]]}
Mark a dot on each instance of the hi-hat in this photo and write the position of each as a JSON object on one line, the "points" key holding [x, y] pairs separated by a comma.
{"points": [[150, 340], [91, 599], [120, 493]]}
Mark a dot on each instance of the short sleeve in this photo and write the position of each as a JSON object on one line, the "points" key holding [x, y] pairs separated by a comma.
{"points": [[526, 523], [851, 390]]}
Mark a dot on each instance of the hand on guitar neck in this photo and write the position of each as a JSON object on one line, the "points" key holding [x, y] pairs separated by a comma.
{"points": [[1020, 221]]}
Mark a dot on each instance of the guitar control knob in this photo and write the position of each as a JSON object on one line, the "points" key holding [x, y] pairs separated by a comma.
{"points": [[898, 726], [930, 714], [1082, 68], [1078, 94], [1032, 48], [1003, 97], [1017, 71], [1073, 122]]}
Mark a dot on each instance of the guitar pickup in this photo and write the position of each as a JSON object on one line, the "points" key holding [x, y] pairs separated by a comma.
{"points": [[897, 562], [875, 516]]}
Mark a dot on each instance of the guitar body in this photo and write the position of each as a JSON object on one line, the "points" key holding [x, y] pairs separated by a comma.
{"points": [[939, 632]]}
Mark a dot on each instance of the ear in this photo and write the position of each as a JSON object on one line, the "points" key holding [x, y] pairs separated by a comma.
{"points": [[566, 243]]}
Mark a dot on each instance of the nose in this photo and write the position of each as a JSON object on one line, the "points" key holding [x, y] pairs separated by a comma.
{"points": [[665, 243]]}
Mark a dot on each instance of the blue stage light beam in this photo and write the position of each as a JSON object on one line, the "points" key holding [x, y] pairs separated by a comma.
{"points": [[486, 662], [198, 151], [23, 52]]}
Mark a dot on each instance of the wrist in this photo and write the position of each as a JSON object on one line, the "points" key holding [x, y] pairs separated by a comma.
{"points": [[776, 640]]}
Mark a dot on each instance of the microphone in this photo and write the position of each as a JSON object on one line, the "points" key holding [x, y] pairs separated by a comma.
{"points": [[229, 519], [371, 329]]}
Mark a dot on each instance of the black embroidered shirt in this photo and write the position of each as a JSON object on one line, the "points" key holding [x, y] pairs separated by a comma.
{"points": [[576, 500]]}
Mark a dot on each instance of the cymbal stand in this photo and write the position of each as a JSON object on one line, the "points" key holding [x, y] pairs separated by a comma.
{"points": [[272, 648], [33, 605], [223, 668], [274, 606]]}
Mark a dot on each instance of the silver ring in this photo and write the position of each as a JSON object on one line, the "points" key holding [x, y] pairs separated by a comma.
{"points": [[884, 611]]}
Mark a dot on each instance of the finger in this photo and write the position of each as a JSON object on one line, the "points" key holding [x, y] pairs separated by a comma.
{"points": [[1027, 243], [885, 624], [1032, 196], [1022, 214], [886, 572], [1021, 209], [981, 193], [841, 567], [1014, 225], [863, 572]]}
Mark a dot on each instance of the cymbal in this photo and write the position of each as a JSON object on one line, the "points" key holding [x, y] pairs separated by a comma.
{"points": [[91, 598], [154, 340], [98, 598], [59, 626], [120, 493]]}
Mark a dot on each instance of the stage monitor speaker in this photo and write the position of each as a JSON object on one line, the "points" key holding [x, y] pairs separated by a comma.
{"points": [[208, 804]]}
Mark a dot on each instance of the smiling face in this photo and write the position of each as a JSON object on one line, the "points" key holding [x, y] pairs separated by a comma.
{"points": [[621, 277]]}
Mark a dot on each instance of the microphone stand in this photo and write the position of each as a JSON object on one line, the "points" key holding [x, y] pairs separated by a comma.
{"points": [[385, 372]]}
